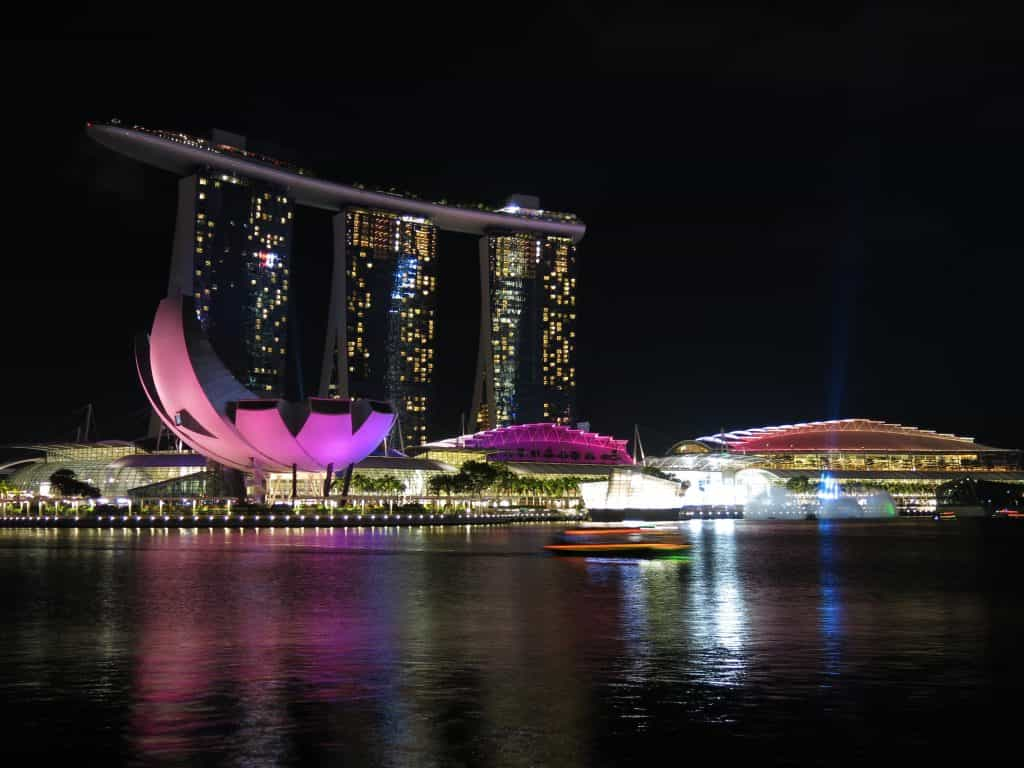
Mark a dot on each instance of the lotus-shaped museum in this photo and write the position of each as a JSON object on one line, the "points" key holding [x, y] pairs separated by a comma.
{"points": [[202, 403]]}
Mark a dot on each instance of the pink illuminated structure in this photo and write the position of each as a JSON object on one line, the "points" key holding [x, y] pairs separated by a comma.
{"points": [[199, 400], [549, 443]]}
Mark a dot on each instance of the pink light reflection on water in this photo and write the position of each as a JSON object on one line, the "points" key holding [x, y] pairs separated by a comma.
{"points": [[275, 637]]}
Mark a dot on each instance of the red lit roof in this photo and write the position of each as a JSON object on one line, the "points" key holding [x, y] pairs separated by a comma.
{"points": [[847, 435]]}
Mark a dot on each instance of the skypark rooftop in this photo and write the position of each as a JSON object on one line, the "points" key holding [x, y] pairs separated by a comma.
{"points": [[182, 154]]}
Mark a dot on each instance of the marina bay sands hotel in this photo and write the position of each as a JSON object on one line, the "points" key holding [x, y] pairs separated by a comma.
{"points": [[232, 252]]}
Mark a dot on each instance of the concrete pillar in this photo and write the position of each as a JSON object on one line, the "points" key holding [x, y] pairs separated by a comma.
{"points": [[483, 388], [327, 481], [181, 282], [336, 338], [259, 482]]}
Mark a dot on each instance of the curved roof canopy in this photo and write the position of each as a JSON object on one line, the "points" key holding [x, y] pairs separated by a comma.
{"points": [[203, 404], [150, 460], [704, 462], [848, 435], [543, 442]]}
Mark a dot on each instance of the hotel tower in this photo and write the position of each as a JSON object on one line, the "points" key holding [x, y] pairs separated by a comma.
{"points": [[526, 370], [232, 253], [385, 346]]}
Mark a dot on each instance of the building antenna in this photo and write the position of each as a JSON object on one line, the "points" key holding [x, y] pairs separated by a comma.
{"points": [[389, 437], [82, 432], [638, 447]]}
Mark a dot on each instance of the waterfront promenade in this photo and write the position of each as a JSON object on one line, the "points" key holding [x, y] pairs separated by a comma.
{"points": [[278, 520]]}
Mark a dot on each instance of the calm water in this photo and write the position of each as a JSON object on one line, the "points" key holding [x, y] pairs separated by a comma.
{"points": [[778, 642]]}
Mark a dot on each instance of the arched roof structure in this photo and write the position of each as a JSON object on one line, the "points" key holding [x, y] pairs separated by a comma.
{"points": [[554, 443], [845, 435]]}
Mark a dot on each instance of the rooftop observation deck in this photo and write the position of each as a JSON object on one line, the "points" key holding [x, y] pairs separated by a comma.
{"points": [[183, 154]]}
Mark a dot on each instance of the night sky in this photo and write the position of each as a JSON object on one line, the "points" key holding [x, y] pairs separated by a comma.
{"points": [[789, 218]]}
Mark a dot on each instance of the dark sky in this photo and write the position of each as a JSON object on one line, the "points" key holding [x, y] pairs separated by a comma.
{"points": [[789, 218]]}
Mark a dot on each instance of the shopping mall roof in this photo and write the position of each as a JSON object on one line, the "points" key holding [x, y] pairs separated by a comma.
{"points": [[847, 435], [405, 463], [554, 443], [914, 475], [66, 447], [535, 468], [151, 460], [707, 462]]}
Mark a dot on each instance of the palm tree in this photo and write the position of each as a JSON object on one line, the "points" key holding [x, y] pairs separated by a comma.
{"points": [[362, 484], [507, 482], [478, 475], [439, 484]]}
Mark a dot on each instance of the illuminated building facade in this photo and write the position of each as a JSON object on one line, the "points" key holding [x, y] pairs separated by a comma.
{"points": [[858, 446], [112, 467], [242, 239], [390, 315], [846, 454], [536, 450], [545, 443], [527, 359]]}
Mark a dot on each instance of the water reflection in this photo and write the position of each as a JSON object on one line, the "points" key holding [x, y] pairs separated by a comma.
{"points": [[718, 616], [472, 647], [284, 633], [681, 630], [831, 612], [375, 650]]}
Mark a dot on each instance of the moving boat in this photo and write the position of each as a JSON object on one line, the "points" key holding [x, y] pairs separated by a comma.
{"points": [[617, 542]]}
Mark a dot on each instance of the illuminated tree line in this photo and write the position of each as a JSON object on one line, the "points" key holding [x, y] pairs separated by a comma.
{"points": [[478, 477]]}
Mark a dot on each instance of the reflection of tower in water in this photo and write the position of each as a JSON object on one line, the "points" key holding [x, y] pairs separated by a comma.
{"points": [[651, 604], [718, 613], [282, 640], [831, 611], [650, 614]]}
